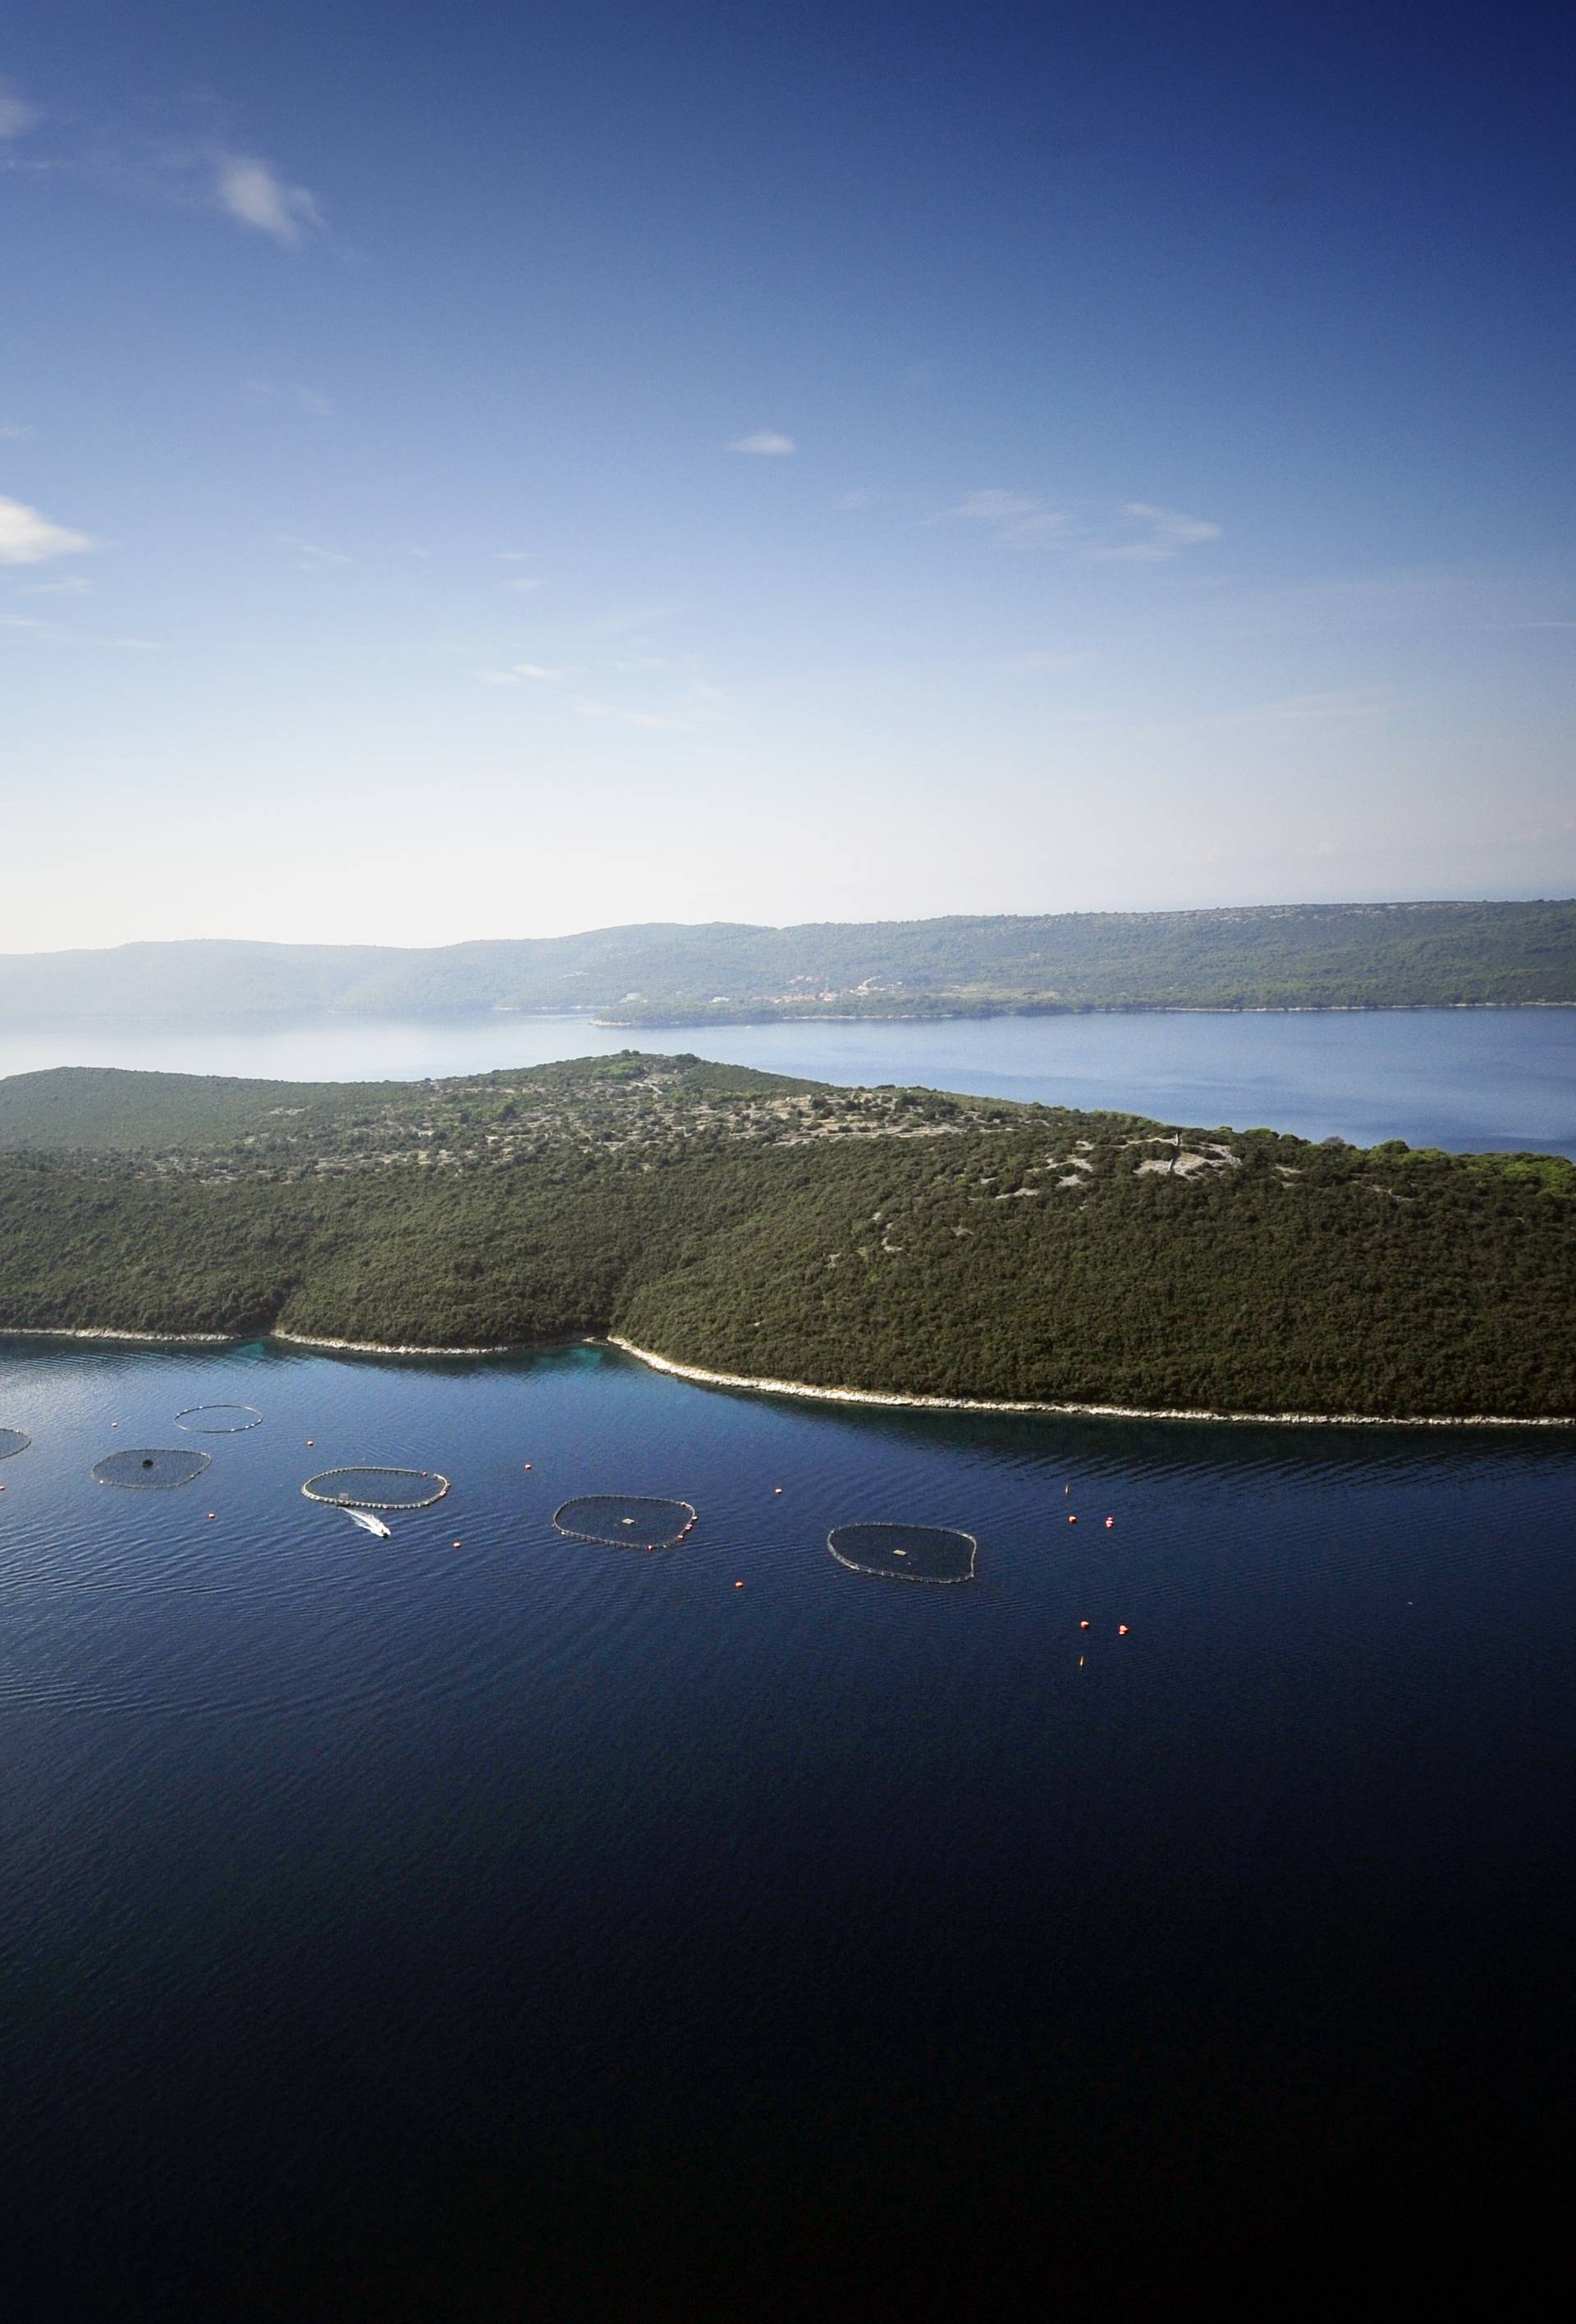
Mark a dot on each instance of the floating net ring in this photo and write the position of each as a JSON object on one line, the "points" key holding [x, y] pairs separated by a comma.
{"points": [[218, 1419], [152, 1470], [13, 1440], [905, 1553], [376, 1488], [624, 1520]]}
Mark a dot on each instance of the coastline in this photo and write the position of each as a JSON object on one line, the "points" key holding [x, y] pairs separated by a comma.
{"points": [[140, 1339], [702, 1376], [739, 1380], [789, 1016]]}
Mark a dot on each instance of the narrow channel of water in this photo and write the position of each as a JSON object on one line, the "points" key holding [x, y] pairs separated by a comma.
{"points": [[1462, 1079]]}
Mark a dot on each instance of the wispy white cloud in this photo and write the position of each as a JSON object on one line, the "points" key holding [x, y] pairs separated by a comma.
{"points": [[16, 116], [1303, 709], [514, 555], [698, 704], [12, 432], [522, 581], [309, 557], [1050, 663], [254, 195], [993, 506], [26, 538], [305, 399], [52, 633], [74, 585], [535, 671], [764, 443], [1015, 516], [1167, 531]]}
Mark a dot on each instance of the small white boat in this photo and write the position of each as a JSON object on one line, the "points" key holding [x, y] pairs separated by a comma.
{"points": [[369, 1524]]}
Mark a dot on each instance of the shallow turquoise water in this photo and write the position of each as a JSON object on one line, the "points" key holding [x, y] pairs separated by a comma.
{"points": [[381, 1903]]}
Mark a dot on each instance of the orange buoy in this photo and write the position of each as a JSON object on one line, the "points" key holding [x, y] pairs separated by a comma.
{"points": [[460, 1545], [211, 1515], [530, 1464], [738, 1585], [1083, 1625], [776, 1488], [1072, 1521], [1121, 1629]]}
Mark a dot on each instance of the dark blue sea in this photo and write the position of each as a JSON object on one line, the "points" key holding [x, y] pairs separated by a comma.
{"points": [[481, 1922]]}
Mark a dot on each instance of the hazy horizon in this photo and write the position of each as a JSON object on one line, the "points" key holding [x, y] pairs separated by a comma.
{"points": [[558, 469], [494, 936]]}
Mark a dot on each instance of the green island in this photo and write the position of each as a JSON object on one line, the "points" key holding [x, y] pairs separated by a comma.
{"points": [[1410, 955], [899, 1242]]}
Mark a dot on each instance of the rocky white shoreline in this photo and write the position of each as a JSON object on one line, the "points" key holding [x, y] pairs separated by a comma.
{"points": [[705, 1378], [105, 1331]]}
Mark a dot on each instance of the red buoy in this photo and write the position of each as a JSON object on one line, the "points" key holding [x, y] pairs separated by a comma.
{"points": [[1083, 1625], [1121, 1629], [1072, 1521], [1110, 1522]]}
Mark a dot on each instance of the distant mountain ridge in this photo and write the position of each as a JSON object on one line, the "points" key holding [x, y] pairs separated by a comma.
{"points": [[1263, 957]]}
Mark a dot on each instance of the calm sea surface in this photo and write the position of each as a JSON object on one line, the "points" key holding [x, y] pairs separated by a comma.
{"points": [[1457, 1078], [482, 1906]]}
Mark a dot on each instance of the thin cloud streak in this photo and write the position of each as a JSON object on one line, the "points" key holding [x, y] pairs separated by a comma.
{"points": [[1170, 531], [1012, 516]]}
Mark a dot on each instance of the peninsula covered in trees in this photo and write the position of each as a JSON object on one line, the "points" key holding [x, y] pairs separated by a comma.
{"points": [[903, 1242], [1426, 956]]}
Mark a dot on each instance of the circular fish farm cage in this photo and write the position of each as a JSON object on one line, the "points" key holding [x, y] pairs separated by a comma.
{"points": [[13, 1440], [624, 1520], [905, 1553], [376, 1488], [150, 1470], [218, 1419]]}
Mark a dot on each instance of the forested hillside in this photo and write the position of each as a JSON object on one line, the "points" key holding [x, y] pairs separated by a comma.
{"points": [[1281, 956], [889, 1239]]}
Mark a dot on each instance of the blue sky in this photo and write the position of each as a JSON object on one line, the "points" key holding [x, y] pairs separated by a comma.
{"points": [[513, 469]]}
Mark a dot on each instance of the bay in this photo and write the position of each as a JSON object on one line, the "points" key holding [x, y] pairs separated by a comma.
{"points": [[1461, 1079], [482, 1908]]}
